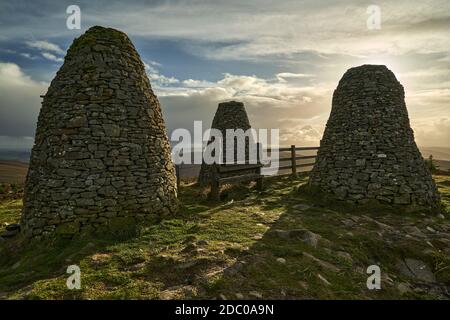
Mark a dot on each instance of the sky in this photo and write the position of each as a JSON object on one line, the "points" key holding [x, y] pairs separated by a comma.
{"points": [[283, 59]]}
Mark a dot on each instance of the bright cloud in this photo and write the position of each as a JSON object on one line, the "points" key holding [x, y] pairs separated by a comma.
{"points": [[45, 46], [20, 102], [52, 57]]}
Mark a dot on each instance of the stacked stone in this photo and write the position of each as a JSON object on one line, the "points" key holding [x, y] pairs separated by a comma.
{"points": [[229, 115], [101, 156], [368, 149]]}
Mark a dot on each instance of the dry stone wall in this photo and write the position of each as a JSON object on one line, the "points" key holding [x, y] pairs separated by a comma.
{"points": [[101, 157], [229, 115], [368, 149]]}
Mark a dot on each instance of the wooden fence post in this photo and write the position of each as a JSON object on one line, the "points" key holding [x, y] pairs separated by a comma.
{"points": [[293, 161], [259, 182], [215, 184]]}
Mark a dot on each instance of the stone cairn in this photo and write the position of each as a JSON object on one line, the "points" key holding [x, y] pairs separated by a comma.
{"points": [[368, 149], [101, 157], [229, 115]]}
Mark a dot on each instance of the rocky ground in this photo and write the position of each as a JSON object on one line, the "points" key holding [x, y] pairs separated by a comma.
{"points": [[278, 244]]}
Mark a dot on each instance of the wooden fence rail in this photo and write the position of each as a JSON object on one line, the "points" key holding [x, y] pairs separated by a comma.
{"points": [[292, 158]]}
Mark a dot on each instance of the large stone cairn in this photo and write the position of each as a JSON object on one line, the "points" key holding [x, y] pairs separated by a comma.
{"points": [[368, 149], [229, 115], [101, 157]]}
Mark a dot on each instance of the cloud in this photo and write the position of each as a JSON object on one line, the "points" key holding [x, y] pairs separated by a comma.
{"points": [[264, 99], [154, 63], [47, 49], [162, 80], [191, 83], [432, 133], [300, 112], [284, 75], [27, 55], [156, 77], [51, 57], [303, 135], [251, 29], [45, 46], [20, 102]]}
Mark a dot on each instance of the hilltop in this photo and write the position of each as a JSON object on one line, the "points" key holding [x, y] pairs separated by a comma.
{"points": [[278, 244]]}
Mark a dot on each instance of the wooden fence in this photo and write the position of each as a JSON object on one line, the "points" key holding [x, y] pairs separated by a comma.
{"points": [[291, 159]]}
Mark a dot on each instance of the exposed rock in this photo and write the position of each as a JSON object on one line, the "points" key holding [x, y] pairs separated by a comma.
{"points": [[234, 269], [416, 269], [323, 279], [240, 296], [281, 260], [322, 263], [414, 231], [258, 236], [304, 285], [306, 236], [348, 222], [177, 292], [101, 148], [13, 227], [255, 294], [368, 151], [345, 256]]}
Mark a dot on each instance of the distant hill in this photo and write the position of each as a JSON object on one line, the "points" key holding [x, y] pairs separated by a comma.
{"points": [[439, 153], [443, 165], [16, 155], [13, 171]]}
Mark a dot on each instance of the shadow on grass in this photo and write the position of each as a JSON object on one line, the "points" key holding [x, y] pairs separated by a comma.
{"points": [[286, 263], [236, 248], [23, 263]]}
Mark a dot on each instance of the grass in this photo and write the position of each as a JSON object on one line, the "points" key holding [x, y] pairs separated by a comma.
{"points": [[9, 212], [229, 250]]}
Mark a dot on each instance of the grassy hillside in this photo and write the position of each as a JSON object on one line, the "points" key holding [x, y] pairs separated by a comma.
{"points": [[280, 243]]}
